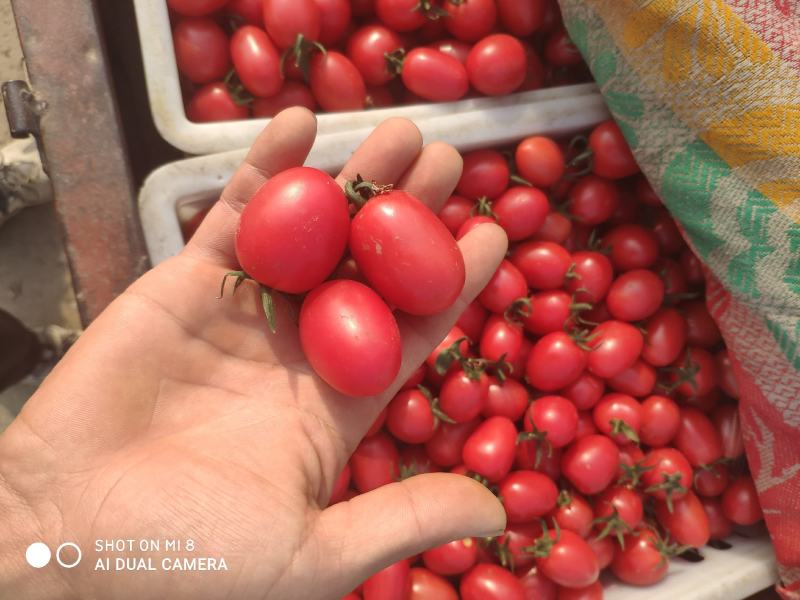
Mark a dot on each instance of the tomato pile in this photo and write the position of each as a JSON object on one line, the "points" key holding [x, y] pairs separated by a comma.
{"points": [[239, 58], [587, 386]]}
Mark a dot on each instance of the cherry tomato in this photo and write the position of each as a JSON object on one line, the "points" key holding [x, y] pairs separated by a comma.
{"points": [[621, 503], [603, 549], [638, 380], [536, 586], [586, 424], [195, 8], [740, 502], [644, 192], [391, 583], [334, 20], [629, 455], [570, 562], [521, 211], [554, 416], [293, 231], [548, 311], [434, 75], [463, 395], [668, 474], [292, 93], [573, 513], [336, 83], [456, 334], [501, 339], [692, 267], [286, 19], [455, 48], [592, 200], [726, 374], [446, 446], [585, 391], [640, 561], [635, 295], [497, 64], [410, 418], [506, 285], [590, 592], [556, 228], [400, 15], [727, 423], [256, 61], [611, 156], [667, 233], [471, 224], [696, 374], [555, 362], [426, 585], [473, 319], [534, 72], [514, 541], [341, 486], [660, 421], [359, 352], [415, 461], [719, 525], [472, 20], [521, 17], [407, 254], [592, 276], [673, 276], [697, 438], [505, 399], [544, 264], [374, 463], [560, 51], [711, 481], [489, 451], [485, 173], [615, 346], [701, 330], [455, 212], [591, 463], [685, 521], [486, 581], [452, 558], [367, 47], [527, 495], [201, 49], [213, 102], [540, 161], [251, 11], [618, 416], [379, 97], [665, 337], [632, 247], [363, 8]]}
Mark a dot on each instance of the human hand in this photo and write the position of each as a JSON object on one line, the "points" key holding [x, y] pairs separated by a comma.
{"points": [[180, 416]]}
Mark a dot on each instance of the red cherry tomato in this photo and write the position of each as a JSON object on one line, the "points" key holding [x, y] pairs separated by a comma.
{"points": [[195, 8], [644, 192], [336, 83], [590, 592], [426, 585], [471, 224], [685, 521], [618, 416], [472, 20], [611, 156], [536, 586], [506, 285], [374, 463], [534, 73], [446, 446], [740, 502], [560, 51], [554, 416], [667, 233], [632, 247], [603, 549], [692, 267], [548, 463], [497, 64], [592, 276], [727, 423], [334, 20], [455, 212], [407, 254], [638, 380], [410, 418], [434, 75], [586, 424], [725, 372], [379, 97], [455, 48], [501, 339], [463, 395], [367, 47], [701, 330], [341, 486], [668, 474], [251, 11], [548, 311], [673, 276], [486, 581], [213, 102], [256, 61], [521, 17], [615, 346], [489, 451], [485, 173], [696, 374], [201, 49], [635, 295], [711, 481], [286, 19], [473, 319], [621, 503], [660, 421], [719, 525], [573, 513], [585, 391], [293, 232], [593, 199], [521, 211], [556, 228], [456, 334], [555, 362], [527, 495], [400, 15], [697, 438], [391, 583], [359, 352], [507, 399], [571, 562], [540, 161], [544, 264], [665, 337], [591, 463], [292, 93], [452, 558], [640, 561], [515, 540]]}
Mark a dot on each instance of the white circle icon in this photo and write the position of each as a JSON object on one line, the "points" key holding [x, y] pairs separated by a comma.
{"points": [[58, 555], [37, 555]]}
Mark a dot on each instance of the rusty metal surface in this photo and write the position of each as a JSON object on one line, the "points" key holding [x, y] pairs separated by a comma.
{"points": [[85, 148]]}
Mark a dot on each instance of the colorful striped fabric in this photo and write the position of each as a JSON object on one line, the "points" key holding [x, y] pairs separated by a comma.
{"points": [[707, 93]]}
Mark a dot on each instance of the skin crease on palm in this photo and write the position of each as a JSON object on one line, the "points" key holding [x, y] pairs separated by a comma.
{"points": [[180, 416]]}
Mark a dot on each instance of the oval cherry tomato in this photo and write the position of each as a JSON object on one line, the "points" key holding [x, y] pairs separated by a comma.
{"points": [[696, 373], [213, 102], [672, 275], [660, 421], [455, 48], [434, 75], [615, 346], [701, 330], [426, 585], [618, 416], [489, 451], [455, 212], [256, 61], [603, 549], [667, 233], [527, 495], [446, 446], [726, 421], [514, 541], [740, 502], [548, 311], [286, 19], [497, 64], [400, 15], [455, 337], [560, 51], [292, 93], [725, 372], [501, 339], [719, 525], [415, 461], [591, 463], [540, 161], [463, 395], [410, 418], [555, 362], [632, 247], [556, 228], [485, 173], [611, 156], [251, 11], [668, 474], [195, 8], [592, 276], [585, 391], [536, 586], [505, 399], [293, 231], [528, 454], [665, 338], [486, 581], [697, 438], [554, 416], [635, 295], [452, 558], [334, 20], [473, 319], [638, 380], [640, 561], [374, 463], [336, 83], [407, 254], [359, 352], [590, 592], [620, 503], [367, 47], [506, 285], [685, 520], [593, 199], [521, 17], [710, 481], [391, 583], [644, 192], [573, 513], [571, 562], [521, 211], [544, 264], [201, 49], [472, 20], [534, 73]]}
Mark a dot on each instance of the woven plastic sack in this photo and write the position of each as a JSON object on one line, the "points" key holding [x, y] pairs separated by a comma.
{"points": [[707, 93]]}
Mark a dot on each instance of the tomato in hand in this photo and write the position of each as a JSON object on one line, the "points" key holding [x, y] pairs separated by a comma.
{"points": [[374, 463], [292, 93], [463, 395], [505, 399], [665, 337], [611, 156], [667, 474], [446, 446], [618, 416], [201, 49], [470, 21], [286, 19], [555, 417], [569, 561], [591, 463], [685, 520], [336, 83], [635, 295], [521, 210], [213, 102], [426, 585], [434, 75], [521, 17], [740, 502], [407, 254], [486, 581], [527, 495], [592, 200], [555, 362], [640, 561], [660, 421], [489, 451], [452, 558], [544, 264], [615, 346], [256, 61], [410, 418], [697, 438], [485, 173], [391, 583], [497, 64]]}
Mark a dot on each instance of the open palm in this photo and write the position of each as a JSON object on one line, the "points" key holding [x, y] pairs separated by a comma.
{"points": [[180, 416]]}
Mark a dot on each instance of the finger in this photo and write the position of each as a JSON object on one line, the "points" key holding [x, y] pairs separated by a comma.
{"points": [[386, 153], [283, 144], [393, 522], [434, 175]]}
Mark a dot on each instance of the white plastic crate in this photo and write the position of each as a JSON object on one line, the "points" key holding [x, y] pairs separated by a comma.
{"points": [[166, 102]]}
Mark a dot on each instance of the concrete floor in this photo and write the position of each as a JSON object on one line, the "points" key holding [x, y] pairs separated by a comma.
{"points": [[35, 284]]}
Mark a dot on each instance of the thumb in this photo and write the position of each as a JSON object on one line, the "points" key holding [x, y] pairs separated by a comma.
{"points": [[393, 522]]}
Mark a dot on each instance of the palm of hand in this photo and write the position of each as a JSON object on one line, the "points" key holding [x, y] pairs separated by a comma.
{"points": [[180, 416]]}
